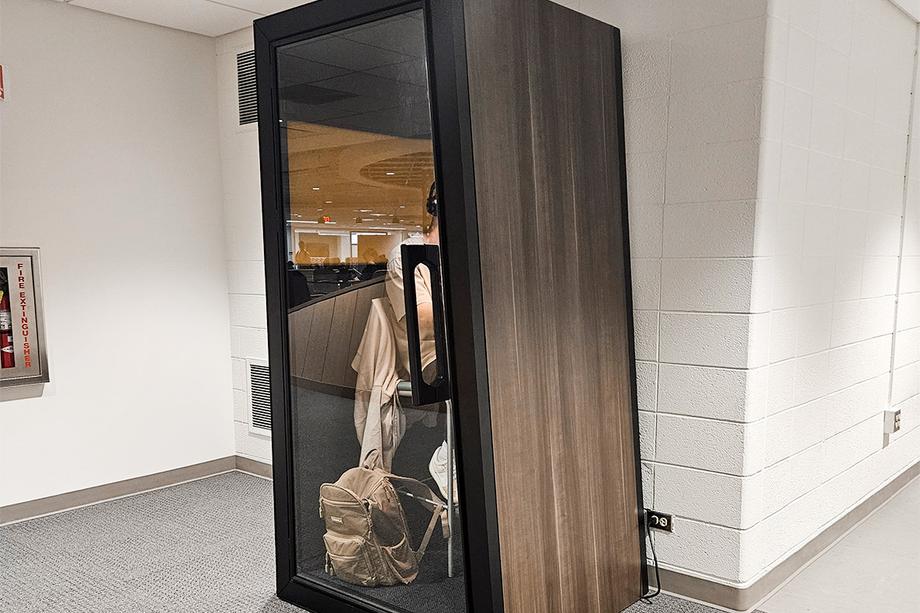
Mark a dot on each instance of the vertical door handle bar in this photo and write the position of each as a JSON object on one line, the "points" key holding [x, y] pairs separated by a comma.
{"points": [[437, 390]]}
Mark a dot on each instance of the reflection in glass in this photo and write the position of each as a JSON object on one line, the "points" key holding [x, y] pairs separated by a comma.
{"points": [[358, 184]]}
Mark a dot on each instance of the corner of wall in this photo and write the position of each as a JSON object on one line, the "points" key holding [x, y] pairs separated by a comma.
{"points": [[243, 240], [827, 238]]}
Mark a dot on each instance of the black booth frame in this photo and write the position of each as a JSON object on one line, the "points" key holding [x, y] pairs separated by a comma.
{"points": [[460, 259], [453, 155]]}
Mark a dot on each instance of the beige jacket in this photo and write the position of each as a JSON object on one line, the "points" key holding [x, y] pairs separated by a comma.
{"points": [[379, 422], [382, 361]]}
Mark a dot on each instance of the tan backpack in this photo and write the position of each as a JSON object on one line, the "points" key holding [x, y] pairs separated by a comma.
{"points": [[367, 536]]}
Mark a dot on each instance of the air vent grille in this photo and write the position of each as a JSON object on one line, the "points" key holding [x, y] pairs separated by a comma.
{"points": [[260, 401], [246, 85]]}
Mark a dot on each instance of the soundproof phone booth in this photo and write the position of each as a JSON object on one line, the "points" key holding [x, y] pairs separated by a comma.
{"points": [[450, 321]]}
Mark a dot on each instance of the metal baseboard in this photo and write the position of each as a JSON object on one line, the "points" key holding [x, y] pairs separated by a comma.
{"points": [[743, 599]]}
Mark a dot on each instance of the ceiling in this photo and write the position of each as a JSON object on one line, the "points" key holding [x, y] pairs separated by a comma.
{"points": [[372, 77], [357, 178], [208, 17], [357, 129]]}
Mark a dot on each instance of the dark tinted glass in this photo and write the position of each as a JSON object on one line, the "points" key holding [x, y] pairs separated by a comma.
{"points": [[358, 175]]}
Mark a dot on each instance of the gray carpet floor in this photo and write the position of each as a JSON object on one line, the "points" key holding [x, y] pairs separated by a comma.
{"points": [[204, 546]]}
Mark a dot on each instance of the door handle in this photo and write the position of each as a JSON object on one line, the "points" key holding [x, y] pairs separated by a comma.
{"points": [[438, 389]]}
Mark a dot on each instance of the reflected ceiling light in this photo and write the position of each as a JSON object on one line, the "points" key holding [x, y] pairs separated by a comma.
{"points": [[390, 174], [328, 202], [315, 188], [364, 210], [402, 206], [319, 210]]}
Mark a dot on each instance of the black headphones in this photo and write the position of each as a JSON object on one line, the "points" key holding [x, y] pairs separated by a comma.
{"points": [[431, 205]]}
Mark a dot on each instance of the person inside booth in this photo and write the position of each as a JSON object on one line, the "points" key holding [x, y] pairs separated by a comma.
{"points": [[423, 290]]}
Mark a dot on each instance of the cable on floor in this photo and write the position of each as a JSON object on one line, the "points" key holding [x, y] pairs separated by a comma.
{"points": [[647, 598]]}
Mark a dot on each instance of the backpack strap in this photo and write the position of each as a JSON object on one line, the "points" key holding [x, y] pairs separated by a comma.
{"points": [[428, 499], [428, 532]]}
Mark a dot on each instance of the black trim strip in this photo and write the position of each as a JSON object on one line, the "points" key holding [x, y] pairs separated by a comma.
{"points": [[465, 320], [633, 393]]}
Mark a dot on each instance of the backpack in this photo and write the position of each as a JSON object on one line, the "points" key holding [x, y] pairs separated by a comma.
{"points": [[367, 536]]}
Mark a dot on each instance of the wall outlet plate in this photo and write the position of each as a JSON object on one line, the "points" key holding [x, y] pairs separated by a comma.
{"points": [[892, 421], [659, 521]]}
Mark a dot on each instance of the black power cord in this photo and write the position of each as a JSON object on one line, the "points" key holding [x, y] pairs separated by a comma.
{"points": [[647, 599]]}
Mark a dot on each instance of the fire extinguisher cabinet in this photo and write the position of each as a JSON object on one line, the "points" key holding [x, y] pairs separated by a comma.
{"points": [[448, 293]]}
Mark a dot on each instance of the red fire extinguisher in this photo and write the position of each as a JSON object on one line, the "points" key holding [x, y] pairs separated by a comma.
{"points": [[7, 359]]}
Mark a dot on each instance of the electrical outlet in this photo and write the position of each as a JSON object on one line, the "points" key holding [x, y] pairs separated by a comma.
{"points": [[659, 521], [892, 421]]}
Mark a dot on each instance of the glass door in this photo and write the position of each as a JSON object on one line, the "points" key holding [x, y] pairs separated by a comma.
{"points": [[375, 512]]}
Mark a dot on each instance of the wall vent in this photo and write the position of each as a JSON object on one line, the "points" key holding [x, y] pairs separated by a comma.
{"points": [[246, 86], [259, 395]]}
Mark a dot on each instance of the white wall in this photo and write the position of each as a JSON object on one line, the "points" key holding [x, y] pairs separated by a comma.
{"points": [[109, 149], [766, 147], [242, 200], [837, 103]]}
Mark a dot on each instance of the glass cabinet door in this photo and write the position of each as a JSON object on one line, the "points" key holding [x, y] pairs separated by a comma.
{"points": [[365, 325]]}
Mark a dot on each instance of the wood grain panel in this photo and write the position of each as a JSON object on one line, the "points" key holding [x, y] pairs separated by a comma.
{"points": [[324, 336], [337, 358], [318, 340], [546, 154], [299, 331]]}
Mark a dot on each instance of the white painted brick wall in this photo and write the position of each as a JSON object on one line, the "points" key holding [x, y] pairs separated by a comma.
{"points": [[725, 500], [729, 394], [713, 339], [243, 234], [715, 229], [836, 119], [773, 204], [707, 285]]}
